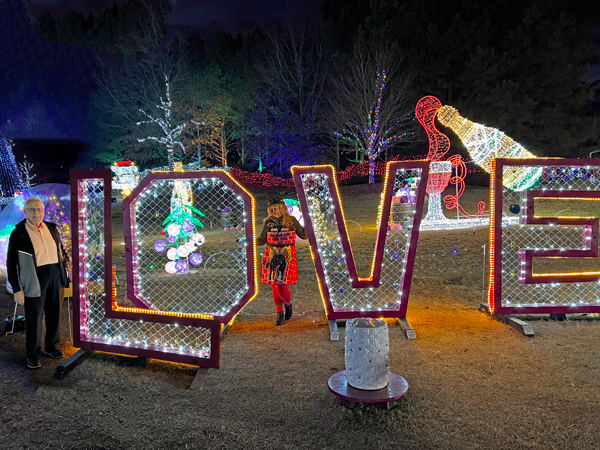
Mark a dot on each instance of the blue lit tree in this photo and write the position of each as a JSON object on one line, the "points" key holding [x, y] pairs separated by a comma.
{"points": [[11, 180]]}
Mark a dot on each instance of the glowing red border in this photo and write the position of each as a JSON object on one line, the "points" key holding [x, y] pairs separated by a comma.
{"points": [[131, 242]]}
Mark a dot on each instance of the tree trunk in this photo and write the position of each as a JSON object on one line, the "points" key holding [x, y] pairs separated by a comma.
{"points": [[337, 152], [371, 168], [171, 159]]}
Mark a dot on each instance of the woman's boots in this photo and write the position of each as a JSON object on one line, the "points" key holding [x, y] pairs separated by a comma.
{"points": [[281, 316], [279, 319], [288, 311]]}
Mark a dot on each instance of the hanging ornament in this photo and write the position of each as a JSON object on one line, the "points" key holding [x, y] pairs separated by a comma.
{"points": [[160, 246]]}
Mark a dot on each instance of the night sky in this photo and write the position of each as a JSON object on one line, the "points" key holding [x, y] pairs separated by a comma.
{"points": [[204, 16]]}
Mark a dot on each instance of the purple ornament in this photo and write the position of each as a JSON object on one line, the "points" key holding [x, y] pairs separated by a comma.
{"points": [[187, 226], [196, 259], [181, 265], [160, 246], [171, 239]]}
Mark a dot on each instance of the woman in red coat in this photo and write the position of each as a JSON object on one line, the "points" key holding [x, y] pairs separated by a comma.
{"points": [[279, 267]]}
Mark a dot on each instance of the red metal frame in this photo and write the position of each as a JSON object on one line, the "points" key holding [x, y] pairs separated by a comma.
{"points": [[527, 276], [149, 351], [373, 280], [131, 242]]}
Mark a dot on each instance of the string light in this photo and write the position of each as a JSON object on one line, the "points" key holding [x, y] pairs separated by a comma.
{"points": [[171, 133], [369, 137], [101, 323], [11, 181], [343, 292]]}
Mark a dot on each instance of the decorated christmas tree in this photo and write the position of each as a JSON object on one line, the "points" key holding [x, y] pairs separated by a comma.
{"points": [[182, 240]]}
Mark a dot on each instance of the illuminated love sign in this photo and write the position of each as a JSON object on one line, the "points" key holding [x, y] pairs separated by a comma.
{"points": [[191, 256], [547, 263]]}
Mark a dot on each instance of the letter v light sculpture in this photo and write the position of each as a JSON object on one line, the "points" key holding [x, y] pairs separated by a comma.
{"points": [[384, 293]]}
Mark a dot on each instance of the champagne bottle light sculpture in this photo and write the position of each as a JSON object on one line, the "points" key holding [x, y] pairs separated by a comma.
{"points": [[485, 144]]}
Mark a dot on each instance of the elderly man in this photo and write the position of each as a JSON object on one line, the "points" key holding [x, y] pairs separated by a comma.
{"points": [[35, 263]]}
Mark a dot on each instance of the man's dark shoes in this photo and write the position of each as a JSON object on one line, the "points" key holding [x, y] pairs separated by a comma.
{"points": [[33, 362], [54, 354], [279, 319], [288, 311]]}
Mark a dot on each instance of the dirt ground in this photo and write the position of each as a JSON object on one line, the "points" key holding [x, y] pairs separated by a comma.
{"points": [[474, 382]]}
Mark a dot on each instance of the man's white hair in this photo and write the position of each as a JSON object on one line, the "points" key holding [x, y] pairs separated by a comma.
{"points": [[31, 200]]}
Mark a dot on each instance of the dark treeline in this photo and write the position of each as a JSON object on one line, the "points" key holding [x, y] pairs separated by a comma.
{"points": [[300, 93]]}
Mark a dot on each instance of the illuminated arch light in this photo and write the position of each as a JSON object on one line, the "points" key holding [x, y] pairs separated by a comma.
{"points": [[385, 292], [485, 144]]}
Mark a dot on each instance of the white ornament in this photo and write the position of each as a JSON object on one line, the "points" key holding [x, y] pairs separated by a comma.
{"points": [[173, 229], [170, 266], [172, 253], [183, 251]]}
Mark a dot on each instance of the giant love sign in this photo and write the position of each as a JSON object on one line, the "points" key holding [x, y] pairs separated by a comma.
{"points": [[191, 257]]}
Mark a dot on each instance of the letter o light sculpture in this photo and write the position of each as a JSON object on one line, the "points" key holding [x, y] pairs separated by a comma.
{"points": [[186, 209]]}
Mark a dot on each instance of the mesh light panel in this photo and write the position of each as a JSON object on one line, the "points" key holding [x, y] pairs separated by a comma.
{"points": [[548, 263], [101, 324], [385, 292], [189, 241]]}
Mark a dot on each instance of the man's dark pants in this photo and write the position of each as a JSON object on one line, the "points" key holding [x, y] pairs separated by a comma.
{"points": [[48, 302]]}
